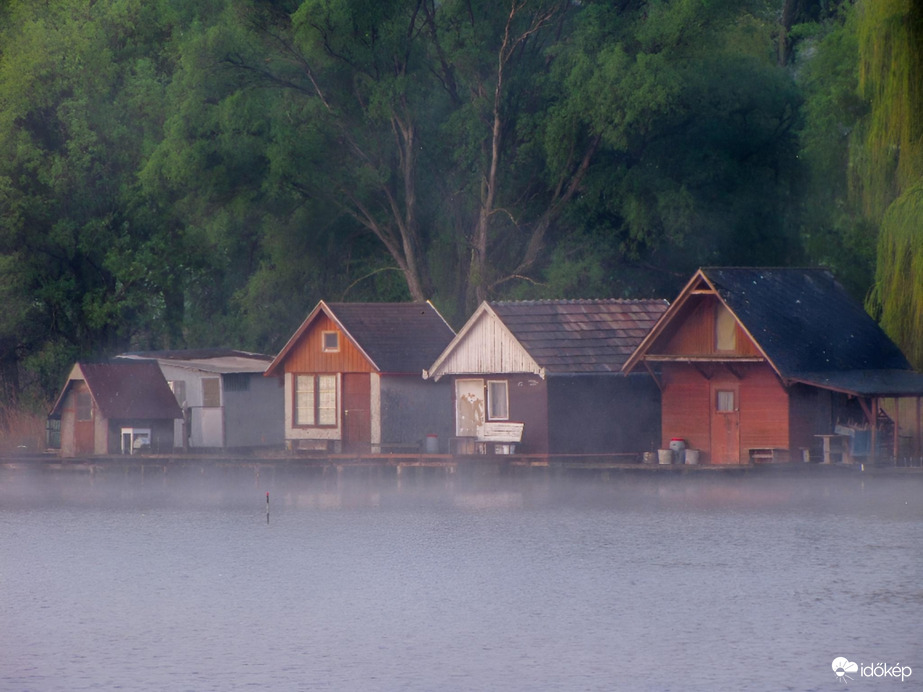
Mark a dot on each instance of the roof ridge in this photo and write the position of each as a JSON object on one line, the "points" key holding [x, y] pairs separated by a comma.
{"points": [[558, 301]]}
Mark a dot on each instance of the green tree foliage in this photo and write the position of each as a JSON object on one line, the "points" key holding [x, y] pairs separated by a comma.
{"points": [[76, 83], [890, 162], [487, 148], [696, 161], [836, 232], [202, 173]]}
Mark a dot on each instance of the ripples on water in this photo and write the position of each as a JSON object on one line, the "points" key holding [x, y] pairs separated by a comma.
{"points": [[692, 583]]}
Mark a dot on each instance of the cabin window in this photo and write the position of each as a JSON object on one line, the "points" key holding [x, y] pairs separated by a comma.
{"points": [[178, 387], [331, 341], [84, 406], [725, 401], [237, 382], [211, 392], [315, 400], [498, 401], [725, 329]]}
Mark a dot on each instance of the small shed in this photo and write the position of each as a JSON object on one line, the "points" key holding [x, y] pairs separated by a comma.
{"points": [[352, 374], [766, 363], [553, 366], [115, 408], [227, 402]]}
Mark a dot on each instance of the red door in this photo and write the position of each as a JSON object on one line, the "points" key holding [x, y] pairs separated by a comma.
{"points": [[357, 421], [725, 423], [84, 425]]}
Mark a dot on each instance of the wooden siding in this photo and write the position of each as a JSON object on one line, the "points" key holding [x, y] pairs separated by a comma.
{"points": [[694, 334], [488, 348], [529, 405], [762, 402], [603, 414], [412, 408], [686, 408], [308, 355], [255, 417], [811, 414], [764, 411]]}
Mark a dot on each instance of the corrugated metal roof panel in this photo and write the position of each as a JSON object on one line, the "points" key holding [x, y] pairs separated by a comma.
{"points": [[218, 361]]}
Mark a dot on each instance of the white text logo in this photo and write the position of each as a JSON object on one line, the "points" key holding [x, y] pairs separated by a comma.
{"points": [[843, 666]]}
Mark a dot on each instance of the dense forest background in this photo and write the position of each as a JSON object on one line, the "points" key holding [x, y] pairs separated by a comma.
{"points": [[180, 174]]}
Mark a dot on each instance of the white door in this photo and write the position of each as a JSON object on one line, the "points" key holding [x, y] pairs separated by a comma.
{"points": [[469, 408]]}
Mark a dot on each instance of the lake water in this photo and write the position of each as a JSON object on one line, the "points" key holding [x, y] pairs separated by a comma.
{"points": [[641, 582]]}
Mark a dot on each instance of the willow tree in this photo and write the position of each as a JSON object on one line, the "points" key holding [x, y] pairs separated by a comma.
{"points": [[889, 167]]}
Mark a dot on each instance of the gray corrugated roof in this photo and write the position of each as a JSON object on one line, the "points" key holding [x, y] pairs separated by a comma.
{"points": [[804, 321], [398, 337], [198, 354], [129, 390], [580, 335], [218, 361]]}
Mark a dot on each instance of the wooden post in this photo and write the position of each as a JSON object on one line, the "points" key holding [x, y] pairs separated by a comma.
{"points": [[874, 441], [915, 444], [897, 428]]}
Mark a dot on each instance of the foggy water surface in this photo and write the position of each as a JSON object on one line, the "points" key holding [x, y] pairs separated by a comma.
{"points": [[751, 583]]}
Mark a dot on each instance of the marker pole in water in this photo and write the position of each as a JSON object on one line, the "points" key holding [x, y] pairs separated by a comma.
{"points": [[267, 506]]}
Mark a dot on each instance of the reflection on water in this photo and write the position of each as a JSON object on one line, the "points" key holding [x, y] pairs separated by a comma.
{"points": [[700, 582]]}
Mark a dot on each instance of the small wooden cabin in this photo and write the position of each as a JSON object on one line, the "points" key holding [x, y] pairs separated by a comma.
{"points": [[553, 366], [115, 408], [227, 402], [758, 364], [352, 374]]}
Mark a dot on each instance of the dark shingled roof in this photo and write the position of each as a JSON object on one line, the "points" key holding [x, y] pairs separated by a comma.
{"points": [[804, 321], [129, 390], [397, 337], [570, 336]]}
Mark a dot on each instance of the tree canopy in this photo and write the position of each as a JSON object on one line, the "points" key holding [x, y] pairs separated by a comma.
{"points": [[201, 174]]}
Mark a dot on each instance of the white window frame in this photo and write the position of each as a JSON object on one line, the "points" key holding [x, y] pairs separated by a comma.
{"points": [[330, 348], [315, 398], [493, 400]]}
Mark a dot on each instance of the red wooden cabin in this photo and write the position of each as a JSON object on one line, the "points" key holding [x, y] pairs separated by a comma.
{"points": [[353, 377], [763, 363]]}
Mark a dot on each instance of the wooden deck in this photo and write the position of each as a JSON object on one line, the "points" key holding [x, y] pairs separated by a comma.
{"points": [[400, 464]]}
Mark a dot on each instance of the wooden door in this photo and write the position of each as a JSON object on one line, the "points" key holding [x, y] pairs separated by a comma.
{"points": [[84, 423], [469, 408], [725, 423], [357, 419]]}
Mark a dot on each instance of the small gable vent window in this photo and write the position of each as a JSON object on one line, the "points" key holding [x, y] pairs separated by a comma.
{"points": [[331, 342], [725, 329]]}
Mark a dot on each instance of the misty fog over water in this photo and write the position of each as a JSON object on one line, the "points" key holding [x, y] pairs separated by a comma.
{"points": [[697, 582]]}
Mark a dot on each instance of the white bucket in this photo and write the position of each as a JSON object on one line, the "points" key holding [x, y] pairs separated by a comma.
{"points": [[665, 456], [692, 456]]}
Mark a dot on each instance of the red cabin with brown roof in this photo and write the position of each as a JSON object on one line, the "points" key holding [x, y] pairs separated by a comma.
{"points": [[757, 364], [353, 378]]}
